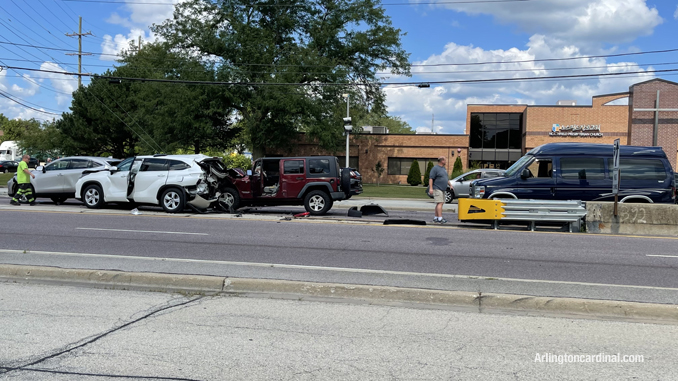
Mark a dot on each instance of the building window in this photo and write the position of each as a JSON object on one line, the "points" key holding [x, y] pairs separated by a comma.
{"points": [[353, 162], [496, 130], [401, 166]]}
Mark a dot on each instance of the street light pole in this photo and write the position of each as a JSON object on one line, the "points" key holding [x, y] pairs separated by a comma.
{"points": [[347, 126]]}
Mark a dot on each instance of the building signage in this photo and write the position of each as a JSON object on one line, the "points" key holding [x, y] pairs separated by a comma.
{"points": [[577, 130]]}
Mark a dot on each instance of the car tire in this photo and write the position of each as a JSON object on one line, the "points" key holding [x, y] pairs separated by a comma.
{"points": [[5, 170], [317, 202], [59, 200], [173, 200], [449, 196], [93, 196], [229, 200]]}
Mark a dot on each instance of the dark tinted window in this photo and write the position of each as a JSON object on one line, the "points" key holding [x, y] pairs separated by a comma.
{"points": [[176, 165], [641, 169], [319, 166], [79, 164], [582, 168], [152, 165], [293, 166]]}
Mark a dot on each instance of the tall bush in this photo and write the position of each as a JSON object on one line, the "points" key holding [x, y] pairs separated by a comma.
{"points": [[429, 167], [414, 177], [458, 168]]}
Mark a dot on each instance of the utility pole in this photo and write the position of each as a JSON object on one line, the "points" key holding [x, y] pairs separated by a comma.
{"points": [[79, 53]]}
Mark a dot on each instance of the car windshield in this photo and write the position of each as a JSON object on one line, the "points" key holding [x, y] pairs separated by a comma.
{"points": [[517, 165]]}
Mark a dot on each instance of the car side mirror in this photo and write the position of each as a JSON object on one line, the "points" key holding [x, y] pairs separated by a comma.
{"points": [[39, 168], [113, 169], [525, 174], [249, 172]]}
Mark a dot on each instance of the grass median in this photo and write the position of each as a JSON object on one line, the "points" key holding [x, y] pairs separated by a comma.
{"points": [[394, 191], [4, 178]]}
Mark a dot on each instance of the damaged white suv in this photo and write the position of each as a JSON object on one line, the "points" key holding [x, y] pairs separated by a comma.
{"points": [[170, 181]]}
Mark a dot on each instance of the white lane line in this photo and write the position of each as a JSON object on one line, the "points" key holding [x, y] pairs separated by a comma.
{"points": [[663, 256], [140, 231], [336, 269]]}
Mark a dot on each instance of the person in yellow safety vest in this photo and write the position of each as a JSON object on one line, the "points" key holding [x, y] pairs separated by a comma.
{"points": [[23, 178]]}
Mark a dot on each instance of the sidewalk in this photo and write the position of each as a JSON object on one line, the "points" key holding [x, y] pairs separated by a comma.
{"points": [[60, 332]]}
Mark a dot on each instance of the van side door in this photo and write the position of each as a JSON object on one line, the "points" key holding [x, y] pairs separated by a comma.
{"points": [[645, 176], [582, 178], [539, 184], [150, 177]]}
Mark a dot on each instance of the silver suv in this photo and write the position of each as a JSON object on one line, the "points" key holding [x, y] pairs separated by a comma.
{"points": [[460, 185], [57, 179]]}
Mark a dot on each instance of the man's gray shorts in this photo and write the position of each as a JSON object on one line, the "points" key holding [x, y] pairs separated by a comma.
{"points": [[438, 196]]}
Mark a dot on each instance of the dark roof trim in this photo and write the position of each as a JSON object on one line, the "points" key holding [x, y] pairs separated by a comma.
{"points": [[651, 80], [612, 94]]}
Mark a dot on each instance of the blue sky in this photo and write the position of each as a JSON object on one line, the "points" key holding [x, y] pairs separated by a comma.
{"points": [[440, 33]]}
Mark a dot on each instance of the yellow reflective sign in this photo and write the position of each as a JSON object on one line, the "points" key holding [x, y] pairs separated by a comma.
{"points": [[480, 209]]}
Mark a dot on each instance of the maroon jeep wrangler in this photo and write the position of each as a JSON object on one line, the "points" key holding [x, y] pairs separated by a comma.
{"points": [[313, 181]]}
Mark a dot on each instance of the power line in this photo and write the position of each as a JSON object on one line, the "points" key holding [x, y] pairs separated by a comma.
{"points": [[37, 23], [301, 5], [3, 94], [30, 103], [414, 65], [325, 84]]}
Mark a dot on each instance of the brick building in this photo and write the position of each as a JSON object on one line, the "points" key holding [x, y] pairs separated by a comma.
{"points": [[498, 135]]}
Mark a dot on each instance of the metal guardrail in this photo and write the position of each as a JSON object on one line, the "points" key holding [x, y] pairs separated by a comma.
{"points": [[531, 211]]}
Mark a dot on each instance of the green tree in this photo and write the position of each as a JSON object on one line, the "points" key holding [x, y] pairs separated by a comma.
{"points": [[236, 160], [180, 116], [394, 124], [458, 168], [379, 169], [3, 120], [43, 141], [429, 167], [414, 176], [105, 119], [263, 49]]}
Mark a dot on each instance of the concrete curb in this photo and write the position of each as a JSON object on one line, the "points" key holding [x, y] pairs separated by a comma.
{"points": [[372, 294]]}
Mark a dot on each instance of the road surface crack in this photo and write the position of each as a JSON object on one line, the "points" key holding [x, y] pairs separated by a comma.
{"points": [[5, 369]]}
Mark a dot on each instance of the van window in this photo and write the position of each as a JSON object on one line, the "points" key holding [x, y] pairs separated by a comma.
{"points": [[582, 168], [154, 165], [641, 169], [541, 168]]}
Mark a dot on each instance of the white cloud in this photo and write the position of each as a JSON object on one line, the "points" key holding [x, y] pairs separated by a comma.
{"points": [[449, 101], [115, 45], [581, 22], [64, 84], [675, 15]]}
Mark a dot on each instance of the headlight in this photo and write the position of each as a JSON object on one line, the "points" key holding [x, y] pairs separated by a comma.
{"points": [[478, 191], [202, 188]]}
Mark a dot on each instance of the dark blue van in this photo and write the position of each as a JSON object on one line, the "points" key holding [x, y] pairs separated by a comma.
{"points": [[581, 171]]}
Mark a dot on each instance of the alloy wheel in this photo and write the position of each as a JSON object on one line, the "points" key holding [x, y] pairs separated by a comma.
{"points": [[227, 199], [92, 196], [172, 200], [316, 203]]}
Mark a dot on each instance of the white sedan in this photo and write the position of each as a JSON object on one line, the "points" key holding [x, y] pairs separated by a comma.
{"points": [[170, 181]]}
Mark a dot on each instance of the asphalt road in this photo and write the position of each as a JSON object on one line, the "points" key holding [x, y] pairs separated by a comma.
{"points": [[436, 257], [70, 333]]}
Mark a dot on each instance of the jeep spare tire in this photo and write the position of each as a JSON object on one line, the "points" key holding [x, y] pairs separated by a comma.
{"points": [[346, 181], [317, 202]]}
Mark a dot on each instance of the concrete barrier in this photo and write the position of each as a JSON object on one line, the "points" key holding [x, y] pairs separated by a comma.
{"points": [[641, 219]]}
